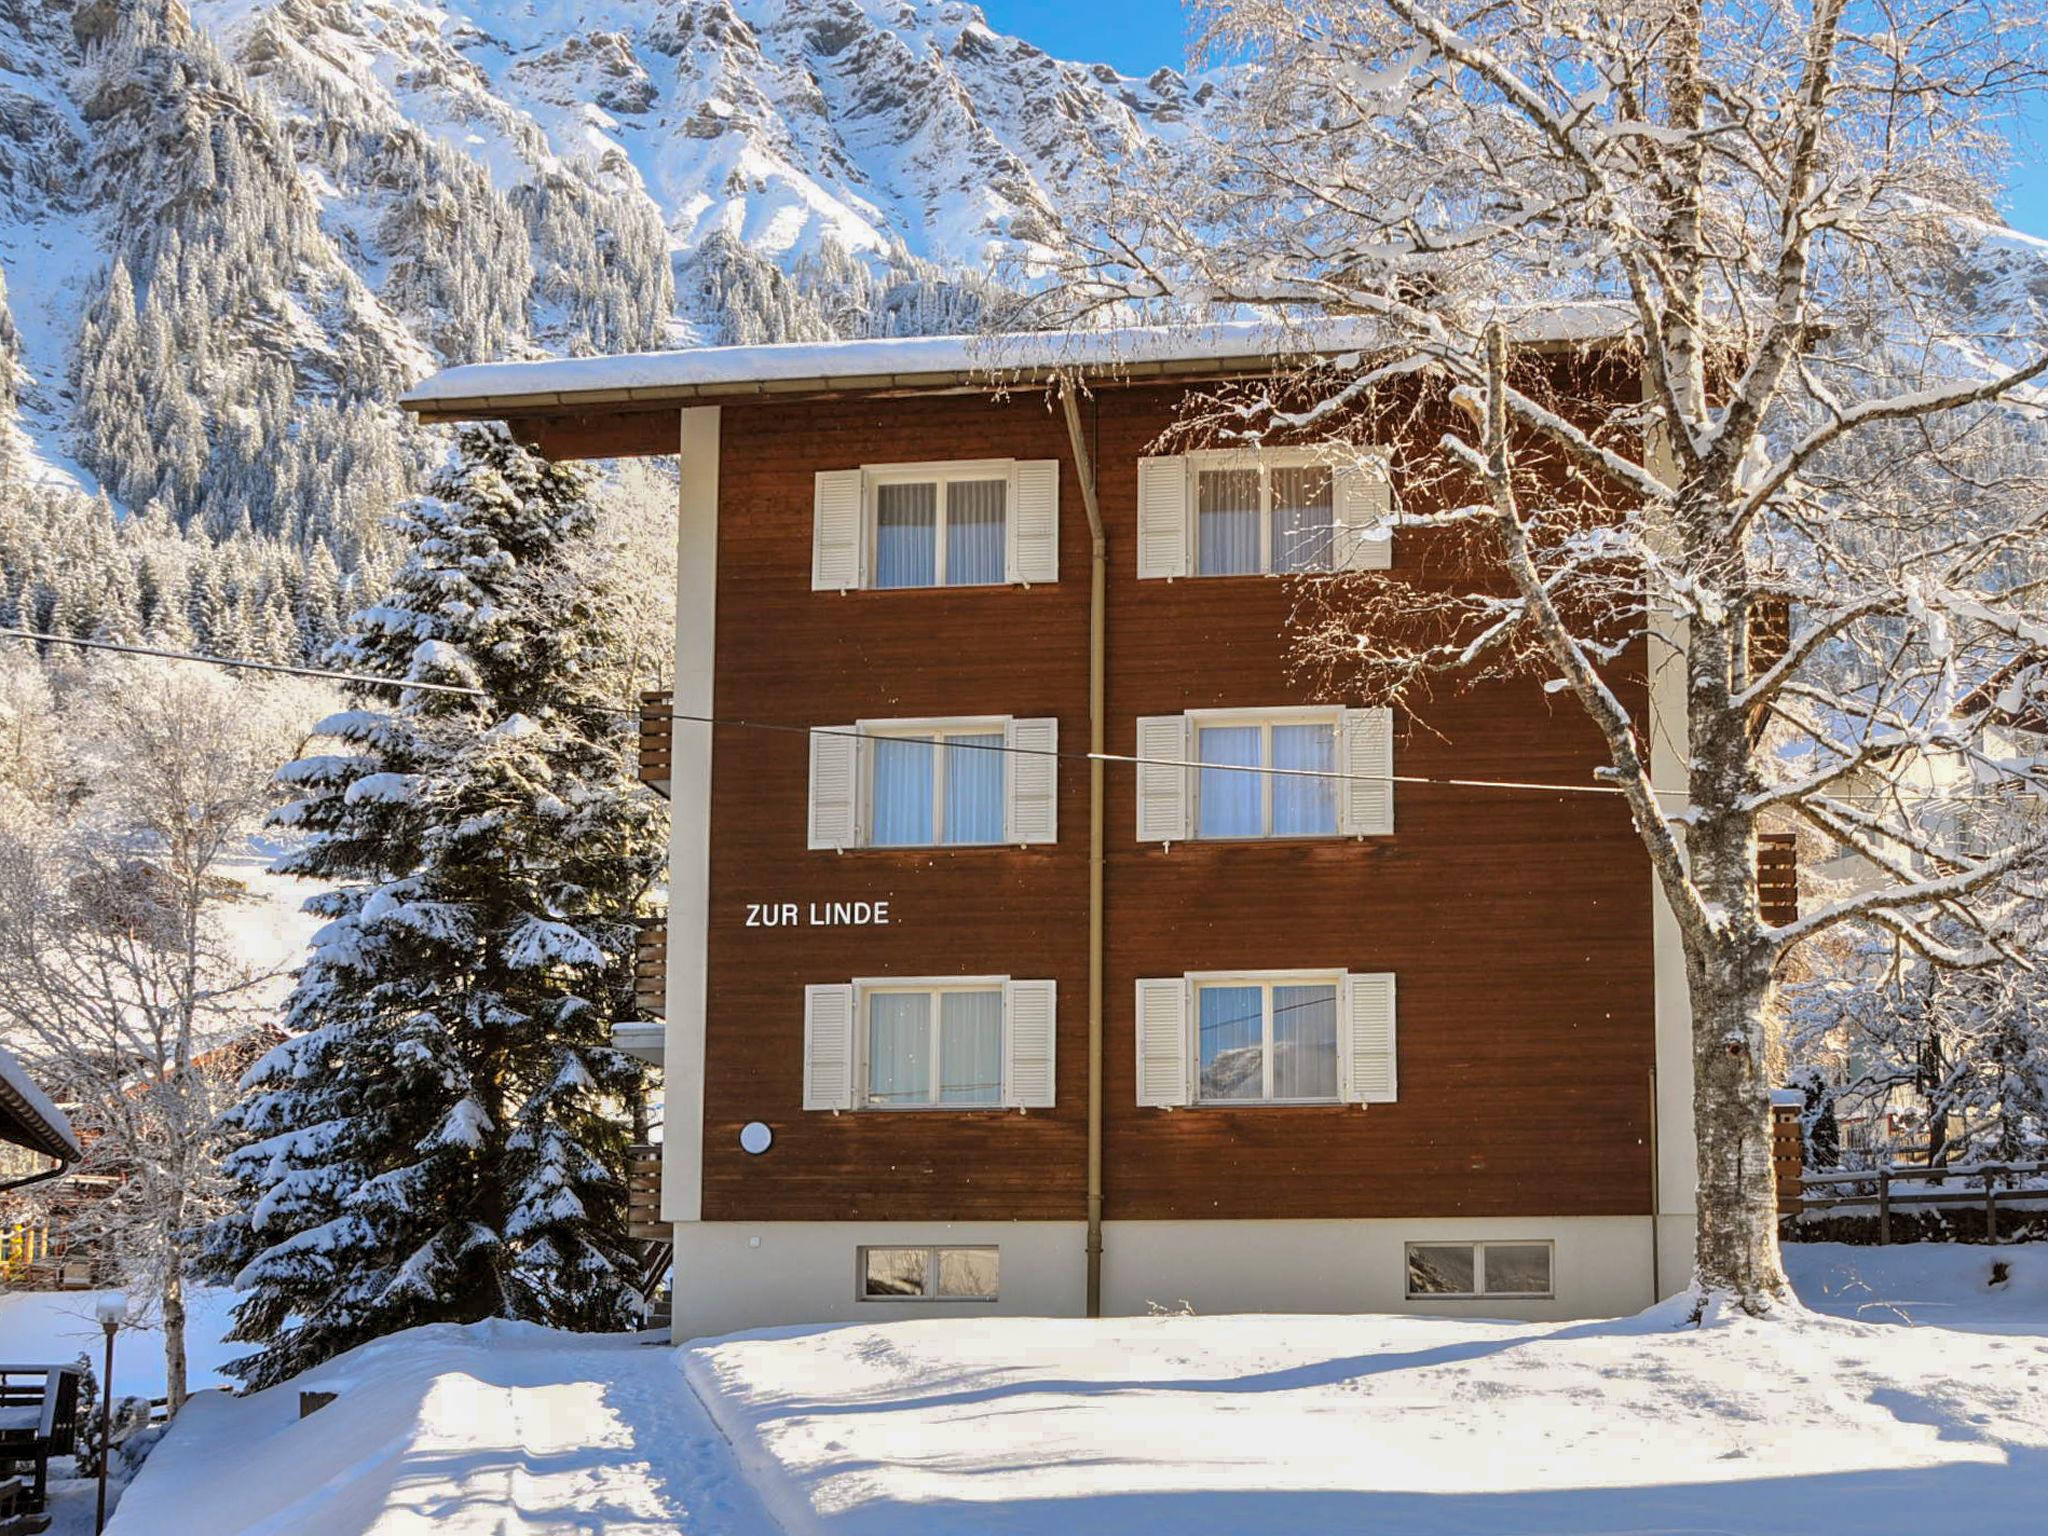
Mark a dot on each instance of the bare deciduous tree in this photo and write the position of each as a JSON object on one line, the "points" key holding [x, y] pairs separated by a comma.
{"points": [[1769, 225]]}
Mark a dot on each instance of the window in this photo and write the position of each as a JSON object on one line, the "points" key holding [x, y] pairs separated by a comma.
{"points": [[929, 1274], [937, 787], [941, 530], [1266, 1040], [934, 1046], [1236, 797], [960, 523], [1276, 515], [1506, 1270]]}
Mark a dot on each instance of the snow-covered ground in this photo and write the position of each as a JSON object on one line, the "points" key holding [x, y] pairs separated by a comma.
{"points": [[1914, 1398]]}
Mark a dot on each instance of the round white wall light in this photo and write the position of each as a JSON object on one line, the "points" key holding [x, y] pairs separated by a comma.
{"points": [[755, 1137]]}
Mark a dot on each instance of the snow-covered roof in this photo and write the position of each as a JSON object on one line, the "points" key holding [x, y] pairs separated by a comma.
{"points": [[28, 1118], [931, 362]]}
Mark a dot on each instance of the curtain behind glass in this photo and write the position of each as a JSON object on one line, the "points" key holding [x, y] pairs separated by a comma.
{"points": [[903, 791], [1232, 1043], [1302, 503], [907, 535], [1229, 804], [1304, 807], [970, 1047], [974, 789], [974, 532], [1305, 1042], [1227, 522], [899, 1047]]}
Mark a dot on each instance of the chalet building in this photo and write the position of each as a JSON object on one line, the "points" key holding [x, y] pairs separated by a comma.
{"points": [[1253, 1010]]}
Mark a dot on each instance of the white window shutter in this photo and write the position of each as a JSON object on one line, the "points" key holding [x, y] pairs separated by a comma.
{"points": [[1368, 798], [1162, 786], [837, 530], [828, 1047], [1032, 812], [1162, 517], [1030, 1025], [1163, 1041], [1367, 1054], [1032, 528], [835, 787], [1365, 500]]}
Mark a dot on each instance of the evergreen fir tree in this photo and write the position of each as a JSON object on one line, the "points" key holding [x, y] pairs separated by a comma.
{"points": [[432, 1142]]}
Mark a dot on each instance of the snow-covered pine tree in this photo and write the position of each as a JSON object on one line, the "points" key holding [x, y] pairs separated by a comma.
{"points": [[432, 1143]]}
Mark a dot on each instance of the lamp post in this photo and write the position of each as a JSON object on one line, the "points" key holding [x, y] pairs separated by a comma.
{"points": [[113, 1312]]}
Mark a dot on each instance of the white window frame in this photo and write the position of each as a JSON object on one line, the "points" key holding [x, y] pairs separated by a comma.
{"points": [[1266, 981], [1225, 719], [933, 987], [913, 730], [939, 473], [1265, 461], [1479, 1245], [931, 1252]]}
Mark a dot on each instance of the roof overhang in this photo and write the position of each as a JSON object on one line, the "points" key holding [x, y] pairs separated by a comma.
{"points": [[601, 407]]}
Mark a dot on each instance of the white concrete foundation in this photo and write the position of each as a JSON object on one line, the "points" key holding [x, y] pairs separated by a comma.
{"points": [[736, 1275]]}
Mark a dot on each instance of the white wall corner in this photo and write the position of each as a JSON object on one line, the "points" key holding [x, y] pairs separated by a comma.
{"points": [[689, 843]]}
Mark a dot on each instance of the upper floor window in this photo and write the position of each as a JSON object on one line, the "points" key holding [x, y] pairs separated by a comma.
{"points": [[955, 524], [985, 780], [1291, 772], [949, 1042], [1272, 511]]}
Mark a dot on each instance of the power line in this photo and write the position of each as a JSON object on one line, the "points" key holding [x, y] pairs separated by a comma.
{"points": [[242, 662]]}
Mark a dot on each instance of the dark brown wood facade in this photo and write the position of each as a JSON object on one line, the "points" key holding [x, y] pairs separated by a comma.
{"points": [[1517, 922]]}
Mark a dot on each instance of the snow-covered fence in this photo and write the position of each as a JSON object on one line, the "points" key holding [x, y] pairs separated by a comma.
{"points": [[2010, 1183]]}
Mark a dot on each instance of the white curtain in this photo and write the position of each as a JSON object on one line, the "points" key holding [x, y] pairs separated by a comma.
{"points": [[902, 791], [1229, 803], [1227, 522], [899, 1047], [907, 535], [971, 1048], [974, 532], [974, 788], [1302, 502], [1304, 807], [1305, 1042], [1232, 1039]]}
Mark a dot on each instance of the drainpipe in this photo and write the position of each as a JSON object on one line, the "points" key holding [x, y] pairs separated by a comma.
{"points": [[1098, 589]]}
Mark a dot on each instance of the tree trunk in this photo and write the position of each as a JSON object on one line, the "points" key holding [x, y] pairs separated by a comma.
{"points": [[1736, 1251], [175, 1388]]}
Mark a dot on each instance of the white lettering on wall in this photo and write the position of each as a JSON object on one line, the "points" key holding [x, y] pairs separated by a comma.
{"points": [[818, 914]]}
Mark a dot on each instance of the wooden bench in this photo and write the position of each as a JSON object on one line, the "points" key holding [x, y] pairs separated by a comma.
{"points": [[38, 1420]]}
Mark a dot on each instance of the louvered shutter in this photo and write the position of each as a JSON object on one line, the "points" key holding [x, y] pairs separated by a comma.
{"points": [[1030, 1023], [1364, 500], [835, 787], [1162, 785], [828, 1047], [1032, 539], [1032, 814], [1163, 1041], [1368, 794], [1367, 1052], [836, 528], [1162, 517]]}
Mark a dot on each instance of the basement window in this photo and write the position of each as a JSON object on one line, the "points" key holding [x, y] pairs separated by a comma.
{"points": [[929, 1274], [1508, 1271]]}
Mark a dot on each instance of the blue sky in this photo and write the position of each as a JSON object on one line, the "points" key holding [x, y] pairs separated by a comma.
{"points": [[1137, 36]]}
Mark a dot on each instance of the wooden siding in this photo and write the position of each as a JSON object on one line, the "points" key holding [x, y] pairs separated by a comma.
{"points": [[1517, 922]]}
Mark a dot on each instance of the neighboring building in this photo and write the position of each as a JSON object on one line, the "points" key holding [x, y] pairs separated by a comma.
{"points": [[1368, 1042]]}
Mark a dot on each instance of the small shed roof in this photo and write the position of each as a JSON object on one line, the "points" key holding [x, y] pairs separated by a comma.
{"points": [[29, 1119]]}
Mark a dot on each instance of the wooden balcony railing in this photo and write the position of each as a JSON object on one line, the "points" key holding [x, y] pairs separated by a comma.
{"points": [[657, 739], [650, 970], [1777, 877], [643, 1195], [1788, 1156]]}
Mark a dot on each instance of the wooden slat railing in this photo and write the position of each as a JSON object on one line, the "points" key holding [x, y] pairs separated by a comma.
{"points": [[657, 739], [1788, 1156], [1777, 877], [643, 1195], [650, 969]]}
